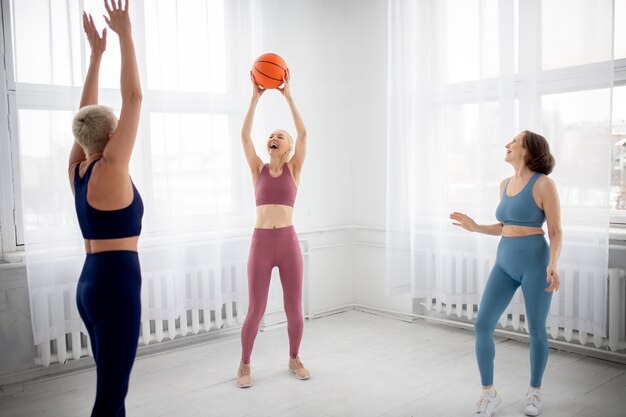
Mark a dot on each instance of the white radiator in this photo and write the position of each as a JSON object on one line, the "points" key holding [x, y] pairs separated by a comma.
{"points": [[465, 274], [157, 292], [162, 289]]}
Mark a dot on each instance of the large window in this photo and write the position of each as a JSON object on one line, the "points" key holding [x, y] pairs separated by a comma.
{"points": [[472, 33], [183, 162]]}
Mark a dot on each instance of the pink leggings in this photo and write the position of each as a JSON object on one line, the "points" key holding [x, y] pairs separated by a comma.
{"points": [[270, 248]]}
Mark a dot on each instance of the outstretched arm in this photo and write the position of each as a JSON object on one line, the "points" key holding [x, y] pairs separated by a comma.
{"points": [[120, 146], [97, 44], [300, 153], [254, 162], [467, 223]]}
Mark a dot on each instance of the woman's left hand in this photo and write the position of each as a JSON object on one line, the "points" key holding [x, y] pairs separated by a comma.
{"points": [[97, 43], [286, 90], [553, 278]]}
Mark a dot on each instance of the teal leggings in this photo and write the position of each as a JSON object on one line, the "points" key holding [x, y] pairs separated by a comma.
{"points": [[521, 261]]}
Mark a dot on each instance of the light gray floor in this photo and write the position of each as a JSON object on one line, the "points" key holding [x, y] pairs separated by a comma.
{"points": [[361, 364]]}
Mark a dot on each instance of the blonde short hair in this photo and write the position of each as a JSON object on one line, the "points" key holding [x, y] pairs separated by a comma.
{"points": [[91, 127], [290, 152]]}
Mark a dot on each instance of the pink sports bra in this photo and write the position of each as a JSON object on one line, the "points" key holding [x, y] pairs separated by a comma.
{"points": [[275, 190]]}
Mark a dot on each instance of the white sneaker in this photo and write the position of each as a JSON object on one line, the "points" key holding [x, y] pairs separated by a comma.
{"points": [[486, 405], [533, 403]]}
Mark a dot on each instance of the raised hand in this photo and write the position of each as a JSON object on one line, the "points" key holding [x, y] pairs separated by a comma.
{"points": [[552, 276], [118, 19], [257, 90], [286, 90], [464, 221], [97, 43]]}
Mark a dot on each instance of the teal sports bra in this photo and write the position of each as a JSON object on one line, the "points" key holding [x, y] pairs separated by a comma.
{"points": [[521, 209]]}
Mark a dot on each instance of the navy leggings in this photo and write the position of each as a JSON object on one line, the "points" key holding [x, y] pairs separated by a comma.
{"points": [[521, 261], [109, 302]]}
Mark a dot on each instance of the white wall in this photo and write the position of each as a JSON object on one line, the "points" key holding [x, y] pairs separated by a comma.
{"points": [[311, 37], [367, 66], [16, 336], [368, 86], [336, 51]]}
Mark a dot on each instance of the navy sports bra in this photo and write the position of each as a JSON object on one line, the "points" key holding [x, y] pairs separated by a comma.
{"points": [[521, 209], [105, 224]]}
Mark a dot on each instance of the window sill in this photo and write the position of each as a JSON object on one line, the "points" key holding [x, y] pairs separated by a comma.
{"points": [[617, 233], [13, 260]]}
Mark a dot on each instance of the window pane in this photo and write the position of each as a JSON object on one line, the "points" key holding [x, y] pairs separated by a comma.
{"points": [[471, 40], [185, 45], [620, 29], [46, 37], [45, 142], [574, 32], [190, 164], [618, 168], [575, 124], [516, 36], [476, 152], [111, 64]]}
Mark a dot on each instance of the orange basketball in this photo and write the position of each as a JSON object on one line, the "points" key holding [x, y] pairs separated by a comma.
{"points": [[268, 70]]}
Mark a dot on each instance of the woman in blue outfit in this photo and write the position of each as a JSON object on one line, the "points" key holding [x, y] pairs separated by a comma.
{"points": [[524, 259], [109, 211]]}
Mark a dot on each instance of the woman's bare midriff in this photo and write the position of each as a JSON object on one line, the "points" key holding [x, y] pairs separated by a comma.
{"points": [[518, 231], [273, 216], [107, 245]]}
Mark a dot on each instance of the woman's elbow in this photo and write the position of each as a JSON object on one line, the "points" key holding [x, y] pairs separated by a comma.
{"points": [[137, 95], [134, 95], [555, 233]]}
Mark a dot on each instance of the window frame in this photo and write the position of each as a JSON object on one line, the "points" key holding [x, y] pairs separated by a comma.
{"points": [[11, 231]]}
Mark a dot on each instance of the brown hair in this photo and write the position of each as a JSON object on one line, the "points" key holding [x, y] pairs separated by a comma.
{"points": [[538, 157]]}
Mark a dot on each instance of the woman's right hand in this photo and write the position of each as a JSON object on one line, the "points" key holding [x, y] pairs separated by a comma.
{"points": [[257, 90], [464, 221], [118, 19], [97, 43]]}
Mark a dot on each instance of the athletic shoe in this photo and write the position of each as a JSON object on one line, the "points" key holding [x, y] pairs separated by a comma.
{"points": [[244, 379], [486, 405], [296, 367], [533, 403]]}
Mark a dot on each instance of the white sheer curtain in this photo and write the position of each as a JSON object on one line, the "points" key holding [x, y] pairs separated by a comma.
{"points": [[464, 76], [194, 58]]}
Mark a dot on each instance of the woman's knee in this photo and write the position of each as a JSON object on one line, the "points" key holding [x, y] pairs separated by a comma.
{"points": [[254, 315], [293, 312], [538, 333], [483, 327]]}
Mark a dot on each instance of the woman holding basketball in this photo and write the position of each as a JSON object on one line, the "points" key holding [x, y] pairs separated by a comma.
{"points": [[274, 241], [524, 259], [109, 210]]}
